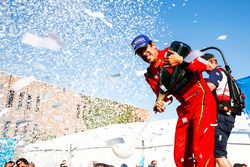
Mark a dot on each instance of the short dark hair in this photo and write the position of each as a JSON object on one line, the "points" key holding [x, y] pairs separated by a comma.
{"points": [[25, 161], [153, 161], [239, 165], [208, 56]]}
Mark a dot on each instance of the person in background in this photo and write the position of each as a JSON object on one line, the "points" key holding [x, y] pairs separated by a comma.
{"points": [[22, 162], [64, 164], [153, 163], [198, 108], [102, 165], [218, 84], [239, 165], [124, 165], [32, 164], [9, 164]]}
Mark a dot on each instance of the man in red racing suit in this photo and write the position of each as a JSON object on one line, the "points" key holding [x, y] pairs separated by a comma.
{"points": [[146, 49], [194, 138]]}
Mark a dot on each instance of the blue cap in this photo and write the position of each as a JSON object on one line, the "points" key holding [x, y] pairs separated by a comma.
{"points": [[140, 41]]}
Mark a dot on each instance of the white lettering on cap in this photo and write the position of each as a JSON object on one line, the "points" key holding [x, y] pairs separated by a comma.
{"points": [[139, 40]]}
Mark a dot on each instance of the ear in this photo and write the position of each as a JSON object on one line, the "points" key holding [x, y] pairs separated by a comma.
{"points": [[153, 45]]}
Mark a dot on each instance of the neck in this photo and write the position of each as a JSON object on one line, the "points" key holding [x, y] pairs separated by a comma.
{"points": [[157, 62]]}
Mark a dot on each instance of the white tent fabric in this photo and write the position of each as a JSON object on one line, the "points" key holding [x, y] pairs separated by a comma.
{"points": [[156, 142]]}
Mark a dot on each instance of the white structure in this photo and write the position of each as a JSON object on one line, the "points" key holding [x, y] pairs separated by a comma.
{"points": [[81, 149]]}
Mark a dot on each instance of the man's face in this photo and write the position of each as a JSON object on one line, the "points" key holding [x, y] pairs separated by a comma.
{"points": [[148, 53], [10, 164], [213, 61], [154, 163], [21, 164], [214, 64]]}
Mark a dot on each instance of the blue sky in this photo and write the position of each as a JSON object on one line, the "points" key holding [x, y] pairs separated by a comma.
{"points": [[213, 19], [200, 23], [216, 18], [90, 39]]}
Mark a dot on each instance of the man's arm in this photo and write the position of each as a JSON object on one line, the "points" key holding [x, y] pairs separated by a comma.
{"points": [[196, 64], [153, 84], [161, 98], [156, 88], [214, 79], [160, 103], [211, 86]]}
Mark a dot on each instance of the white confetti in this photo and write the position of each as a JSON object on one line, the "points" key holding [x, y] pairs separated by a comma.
{"points": [[140, 72], [4, 111], [222, 37], [193, 55], [22, 83], [51, 42], [39, 66], [98, 15]]}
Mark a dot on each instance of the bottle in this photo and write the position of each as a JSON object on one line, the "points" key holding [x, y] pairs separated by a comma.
{"points": [[180, 47]]}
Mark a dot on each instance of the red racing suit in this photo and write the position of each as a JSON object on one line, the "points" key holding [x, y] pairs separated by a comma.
{"points": [[152, 75], [194, 136]]}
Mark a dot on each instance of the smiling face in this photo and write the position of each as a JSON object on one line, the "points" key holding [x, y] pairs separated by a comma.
{"points": [[21, 164], [9, 164], [148, 53]]}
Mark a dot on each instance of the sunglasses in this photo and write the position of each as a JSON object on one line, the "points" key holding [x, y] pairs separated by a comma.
{"points": [[141, 50]]}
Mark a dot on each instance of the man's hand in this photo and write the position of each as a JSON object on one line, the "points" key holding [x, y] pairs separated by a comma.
{"points": [[159, 106], [173, 60]]}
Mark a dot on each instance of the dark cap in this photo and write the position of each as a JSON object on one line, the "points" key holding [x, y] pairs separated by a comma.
{"points": [[140, 41], [208, 56]]}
